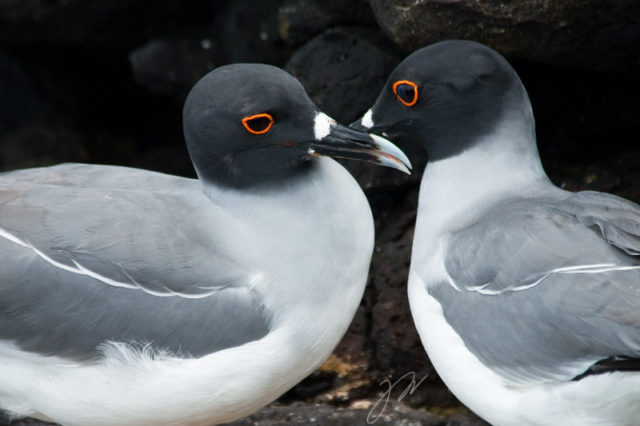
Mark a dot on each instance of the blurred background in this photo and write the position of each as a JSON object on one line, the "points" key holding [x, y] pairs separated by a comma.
{"points": [[103, 81]]}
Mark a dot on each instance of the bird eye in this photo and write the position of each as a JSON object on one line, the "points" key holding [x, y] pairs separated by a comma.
{"points": [[406, 91], [258, 123]]}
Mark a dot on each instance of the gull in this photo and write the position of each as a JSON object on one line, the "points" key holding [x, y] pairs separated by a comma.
{"points": [[129, 297], [526, 297]]}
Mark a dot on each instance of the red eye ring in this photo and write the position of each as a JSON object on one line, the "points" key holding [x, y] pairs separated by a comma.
{"points": [[248, 119], [415, 92]]}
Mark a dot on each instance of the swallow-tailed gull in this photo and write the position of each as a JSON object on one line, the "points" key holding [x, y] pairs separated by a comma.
{"points": [[129, 297], [526, 296]]}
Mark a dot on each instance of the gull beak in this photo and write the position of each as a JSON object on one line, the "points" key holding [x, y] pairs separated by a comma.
{"points": [[338, 141]]}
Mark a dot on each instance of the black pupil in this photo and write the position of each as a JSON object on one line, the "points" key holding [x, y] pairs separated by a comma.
{"points": [[406, 92], [258, 124]]}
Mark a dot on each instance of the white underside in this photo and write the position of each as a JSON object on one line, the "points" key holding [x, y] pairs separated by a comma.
{"points": [[606, 399], [135, 389]]}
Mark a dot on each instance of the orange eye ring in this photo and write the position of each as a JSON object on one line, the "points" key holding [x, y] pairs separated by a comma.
{"points": [[247, 120], [415, 92]]}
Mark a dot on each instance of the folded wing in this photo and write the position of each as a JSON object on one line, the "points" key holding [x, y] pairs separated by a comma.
{"points": [[94, 254], [542, 289]]}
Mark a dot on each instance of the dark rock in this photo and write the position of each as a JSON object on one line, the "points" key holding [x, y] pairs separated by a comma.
{"points": [[601, 34], [306, 414], [396, 342], [300, 20], [302, 414], [343, 71], [172, 159], [319, 381], [466, 419], [248, 32], [95, 112], [20, 100], [580, 111], [172, 66], [35, 146], [393, 346], [397, 350], [119, 24], [618, 174]]}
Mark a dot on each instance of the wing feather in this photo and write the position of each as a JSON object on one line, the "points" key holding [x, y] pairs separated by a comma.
{"points": [[547, 287]]}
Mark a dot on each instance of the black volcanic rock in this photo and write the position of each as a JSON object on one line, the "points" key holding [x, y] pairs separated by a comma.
{"points": [[119, 24], [20, 101], [601, 34], [394, 415], [40, 145], [172, 66], [248, 32], [343, 71], [300, 20]]}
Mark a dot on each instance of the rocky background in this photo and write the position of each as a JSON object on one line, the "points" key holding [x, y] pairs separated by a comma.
{"points": [[103, 81]]}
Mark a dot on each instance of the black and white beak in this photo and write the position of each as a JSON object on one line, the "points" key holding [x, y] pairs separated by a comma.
{"points": [[335, 140]]}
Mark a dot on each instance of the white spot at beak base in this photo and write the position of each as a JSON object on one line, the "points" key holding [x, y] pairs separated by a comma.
{"points": [[322, 125], [367, 119]]}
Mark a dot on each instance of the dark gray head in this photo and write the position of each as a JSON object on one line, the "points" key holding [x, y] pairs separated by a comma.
{"points": [[252, 124], [447, 96]]}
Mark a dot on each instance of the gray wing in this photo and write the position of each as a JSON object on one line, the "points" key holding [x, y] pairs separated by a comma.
{"points": [[93, 254], [543, 289]]}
